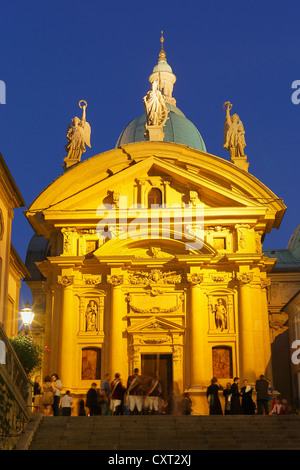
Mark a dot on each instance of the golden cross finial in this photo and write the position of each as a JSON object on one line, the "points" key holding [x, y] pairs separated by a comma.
{"points": [[162, 54]]}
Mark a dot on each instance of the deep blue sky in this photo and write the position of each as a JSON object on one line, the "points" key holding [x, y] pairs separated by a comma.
{"points": [[54, 54]]}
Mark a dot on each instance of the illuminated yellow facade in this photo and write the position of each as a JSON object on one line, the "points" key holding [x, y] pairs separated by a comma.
{"points": [[187, 299], [12, 269]]}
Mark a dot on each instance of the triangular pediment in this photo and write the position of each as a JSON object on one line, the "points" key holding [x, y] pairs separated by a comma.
{"points": [[155, 324]]}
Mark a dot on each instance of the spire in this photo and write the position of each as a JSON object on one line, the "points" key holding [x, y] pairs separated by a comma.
{"points": [[163, 74], [162, 54]]}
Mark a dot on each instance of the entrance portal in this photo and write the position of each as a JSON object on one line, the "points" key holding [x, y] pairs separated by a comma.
{"points": [[159, 365]]}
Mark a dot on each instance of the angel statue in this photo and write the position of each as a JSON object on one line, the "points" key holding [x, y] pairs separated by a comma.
{"points": [[78, 135], [234, 133], [155, 106]]}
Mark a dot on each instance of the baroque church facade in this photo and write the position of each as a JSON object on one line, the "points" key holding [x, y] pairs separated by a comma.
{"points": [[150, 255]]}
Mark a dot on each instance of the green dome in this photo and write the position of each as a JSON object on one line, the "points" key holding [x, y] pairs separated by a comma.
{"points": [[178, 129], [162, 66]]}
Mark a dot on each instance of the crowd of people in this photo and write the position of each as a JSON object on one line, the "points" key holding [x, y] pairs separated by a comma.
{"points": [[47, 396], [141, 395], [145, 395], [239, 400]]}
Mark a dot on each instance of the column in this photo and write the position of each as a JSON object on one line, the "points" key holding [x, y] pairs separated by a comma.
{"points": [[265, 283], [197, 333], [251, 344], [116, 325], [66, 358]]}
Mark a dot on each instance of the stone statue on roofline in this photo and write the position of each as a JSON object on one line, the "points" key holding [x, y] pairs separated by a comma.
{"points": [[234, 138], [156, 110], [78, 135]]}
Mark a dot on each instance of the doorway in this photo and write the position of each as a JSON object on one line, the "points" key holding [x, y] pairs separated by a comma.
{"points": [[160, 365]]}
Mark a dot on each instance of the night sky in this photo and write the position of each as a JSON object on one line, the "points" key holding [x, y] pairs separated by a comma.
{"points": [[54, 54]]}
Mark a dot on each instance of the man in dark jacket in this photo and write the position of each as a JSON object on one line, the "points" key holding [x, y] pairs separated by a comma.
{"points": [[92, 400], [262, 398], [235, 397]]}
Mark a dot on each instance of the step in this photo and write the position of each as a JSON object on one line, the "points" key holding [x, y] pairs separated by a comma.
{"points": [[167, 433]]}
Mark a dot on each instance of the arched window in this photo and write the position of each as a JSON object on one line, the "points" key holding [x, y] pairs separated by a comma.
{"points": [[222, 362], [91, 364], [154, 197]]}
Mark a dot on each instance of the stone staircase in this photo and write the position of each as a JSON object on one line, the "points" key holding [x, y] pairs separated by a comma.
{"points": [[177, 433]]}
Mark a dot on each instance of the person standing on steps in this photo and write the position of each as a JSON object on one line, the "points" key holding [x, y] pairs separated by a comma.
{"points": [[66, 404], [57, 391], [105, 395], [135, 392], [47, 390], [235, 397], [212, 394], [248, 405], [262, 387], [92, 400], [116, 395], [227, 395]]}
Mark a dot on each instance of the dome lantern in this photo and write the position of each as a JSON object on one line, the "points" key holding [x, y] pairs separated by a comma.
{"points": [[163, 74]]}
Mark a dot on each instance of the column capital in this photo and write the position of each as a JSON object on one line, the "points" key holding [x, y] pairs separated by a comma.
{"points": [[244, 278], [194, 278], [115, 280], [265, 282], [65, 281]]}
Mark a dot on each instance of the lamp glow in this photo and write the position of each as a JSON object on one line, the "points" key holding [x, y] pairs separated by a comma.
{"points": [[27, 316]]}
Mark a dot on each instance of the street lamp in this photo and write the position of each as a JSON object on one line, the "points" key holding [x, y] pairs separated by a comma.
{"points": [[27, 317]]}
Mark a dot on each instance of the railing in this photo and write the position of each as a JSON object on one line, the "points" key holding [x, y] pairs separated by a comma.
{"points": [[15, 395]]}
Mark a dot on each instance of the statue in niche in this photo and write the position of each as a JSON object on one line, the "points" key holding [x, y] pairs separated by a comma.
{"points": [[155, 106], [234, 133], [221, 314], [78, 135], [91, 316]]}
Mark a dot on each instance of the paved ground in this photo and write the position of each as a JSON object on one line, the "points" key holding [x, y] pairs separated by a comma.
{"points": [[177, 433]]}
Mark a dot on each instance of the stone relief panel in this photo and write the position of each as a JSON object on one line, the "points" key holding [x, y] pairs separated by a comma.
{"points": [[69, 240], [156, 301], [155, 276]]}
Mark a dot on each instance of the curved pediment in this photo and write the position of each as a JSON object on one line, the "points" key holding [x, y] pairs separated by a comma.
{"points": [[157, 249], [216, 183]]}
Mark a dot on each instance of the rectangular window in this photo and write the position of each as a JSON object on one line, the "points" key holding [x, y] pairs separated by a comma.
{"points": [[219, 243], [91, 364], [222, 362]]}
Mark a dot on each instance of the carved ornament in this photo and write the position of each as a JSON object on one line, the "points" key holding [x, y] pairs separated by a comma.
{"points": [[155, 276], [92, 280], [115, 280], [244, 278], [65, 281], [161, 340], [195, 278], [154, 309]]}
